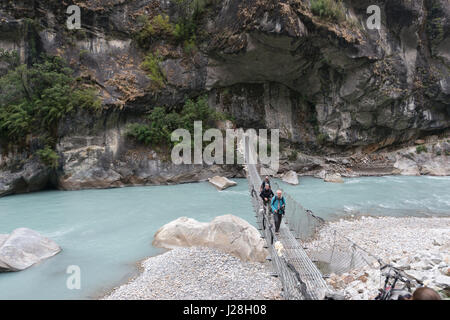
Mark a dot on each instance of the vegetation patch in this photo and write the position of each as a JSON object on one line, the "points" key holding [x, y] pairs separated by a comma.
{"points": [[321, 138], [151, 66], [293, 156], [329, 9], [160, 123], [420, 149], [48, 156], [33, 99], [156, 28], [182, 31]]}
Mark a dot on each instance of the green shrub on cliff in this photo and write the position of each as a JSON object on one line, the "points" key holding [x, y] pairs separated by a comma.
{"points": [[421, 148], [48, 156], [140, 132], [158, 127], [160, 123], [293, 156], [10, 58], [321, 138], [154, 29], [33, 99], [198, 110], [330, 9], [182, 30], [151, 66]]}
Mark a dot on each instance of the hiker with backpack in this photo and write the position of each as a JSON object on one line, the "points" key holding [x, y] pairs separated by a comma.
{"points": [[266, 194], [278, 205], [265, 182]]}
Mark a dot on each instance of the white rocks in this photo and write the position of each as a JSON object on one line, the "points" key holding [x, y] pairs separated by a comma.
{"points": [[436, 243], [438, 166], [442, 281], [333, 177], [419, 246], [404, 263], [221, 183], [436, 260], [290, 177], [446, 256], [421, 265], [24, 248], [267, 171], [419, 275], [321, 174], [199, 274], [3, 237], [406, 167], [227, 233]]}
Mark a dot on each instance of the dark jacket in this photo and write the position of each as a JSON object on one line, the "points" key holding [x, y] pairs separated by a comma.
{"points": [[266, 194], [263, 184]]}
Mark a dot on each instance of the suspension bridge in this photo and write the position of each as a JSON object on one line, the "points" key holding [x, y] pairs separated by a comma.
{"points": [[294, 255]]}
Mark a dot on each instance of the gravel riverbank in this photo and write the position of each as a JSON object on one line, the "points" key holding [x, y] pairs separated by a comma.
{"points": [[198, 274], [419, 246]]}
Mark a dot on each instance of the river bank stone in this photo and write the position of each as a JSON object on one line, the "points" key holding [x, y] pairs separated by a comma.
{"points": [[23, 248], [221, 183], [290, 177], [227, 233], [333, 177]]}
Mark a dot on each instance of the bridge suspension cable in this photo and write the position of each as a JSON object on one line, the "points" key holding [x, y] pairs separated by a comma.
{"points": [[300, 277]]}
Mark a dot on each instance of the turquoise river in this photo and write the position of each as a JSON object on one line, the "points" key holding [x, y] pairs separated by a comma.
{"points": [[105, 232]]}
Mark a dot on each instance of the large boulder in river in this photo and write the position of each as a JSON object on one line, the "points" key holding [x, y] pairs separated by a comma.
{"points": [[290, 177], [3, 238], [23, 248], [221, 183], [227, 233]]}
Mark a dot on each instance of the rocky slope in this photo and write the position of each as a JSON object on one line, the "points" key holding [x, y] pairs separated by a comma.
{"points": [[346, 97]]}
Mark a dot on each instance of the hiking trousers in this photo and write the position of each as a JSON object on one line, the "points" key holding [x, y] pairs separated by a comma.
{"points": [[277, 220]]}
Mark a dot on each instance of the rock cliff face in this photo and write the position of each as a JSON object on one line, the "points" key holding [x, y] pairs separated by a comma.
{"points": [[331, 88]]}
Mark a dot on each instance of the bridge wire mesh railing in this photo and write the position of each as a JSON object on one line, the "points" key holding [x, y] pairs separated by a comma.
{"points": [[293, 286], [332, 252], [306, 286]]}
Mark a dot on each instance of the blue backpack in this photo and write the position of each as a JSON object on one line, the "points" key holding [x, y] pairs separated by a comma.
{"points": [[281, 210]]}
